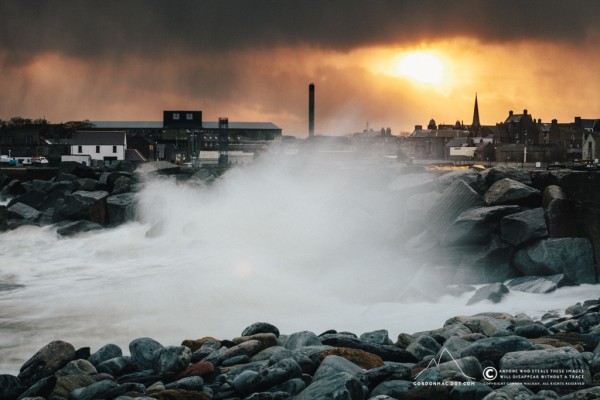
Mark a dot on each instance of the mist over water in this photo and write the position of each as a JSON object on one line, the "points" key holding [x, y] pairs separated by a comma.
{"points": [[302, 244]]}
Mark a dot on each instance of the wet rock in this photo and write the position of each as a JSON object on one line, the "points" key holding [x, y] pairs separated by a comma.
{"points": [[189, 383], [116, 366], [300, 339], [493, 349], [428, 392], [489, 264], [123, 184], [142, 351], [77, 227], [523, 227], [260, 327], [493, 292], [23, 212], [41, 388], [474, 391], [178, 394], [86, 184], [359, 357], [510, 392], [387, 372], [251, 381], [423, 346], [455, 199], [171, 359], [77, 367], [560, 214], [66, 384], [46, 362], [396, 389], [532, 331], [539, 284], [476, 226], [106, 389], [197, 344], [509, 191], [201, 368], [248, 349], [10, 387], [121, 208], [338, 386], [502, 171], [387, 353], [81, 205], [572, 257], [379, 337]]}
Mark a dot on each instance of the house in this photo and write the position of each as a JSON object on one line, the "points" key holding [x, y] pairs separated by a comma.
{"points": [[103, 147], [591, 146], [518, 129]]}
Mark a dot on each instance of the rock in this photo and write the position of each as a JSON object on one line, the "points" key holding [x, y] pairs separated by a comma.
{"points": [[476, 226], [86, 184], [564, 358], [248, 348], [40, 389], [32, 198], [23, 212], [77, 227], [277, 373], [201, 368], [260, 327], [474, 391], [396, 389], [509, 191], [493, 349], [197, 344], [454, 200], [66, 384], [46, 362], [532, 331], [510, 392], [10, 387], [142, 351], [560, 213], [106, 389], [116, 366], [379, 337], [266, 339], [75, 168], [387, 372], [121, 208], [423, 346], [359, 357], [387, 353], [471, 177], [171, 359], [12, 189], [539, 284], [105, 353], [338, 386], [416, 207], [503, 171], [428, 392], [489, 264], [189, 383], [523, 227], [178, 394], [241, 359], [300, 339], [123, 184], [77, 367], [493, 292], [572, 257], [81, 205]]}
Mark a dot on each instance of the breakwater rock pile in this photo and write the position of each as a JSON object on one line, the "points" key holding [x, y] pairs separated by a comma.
{"points": [[485, 356], [504, 223]]}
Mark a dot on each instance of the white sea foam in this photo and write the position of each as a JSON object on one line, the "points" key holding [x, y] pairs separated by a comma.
{"points": [[304, 246]]}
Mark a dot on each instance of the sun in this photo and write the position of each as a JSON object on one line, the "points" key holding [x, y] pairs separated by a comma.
{"points": [[424, 67]]}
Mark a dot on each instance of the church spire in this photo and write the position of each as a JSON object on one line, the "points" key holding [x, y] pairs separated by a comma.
{"points": [[476, 124]]}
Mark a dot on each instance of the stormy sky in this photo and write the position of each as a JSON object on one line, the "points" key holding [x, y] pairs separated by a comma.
{"points": [[252, 60]]}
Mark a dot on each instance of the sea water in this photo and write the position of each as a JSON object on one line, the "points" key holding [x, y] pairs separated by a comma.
{"points": [[303, 245]]}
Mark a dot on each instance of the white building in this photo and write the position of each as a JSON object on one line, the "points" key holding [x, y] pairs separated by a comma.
{"points": [[102, 147]]}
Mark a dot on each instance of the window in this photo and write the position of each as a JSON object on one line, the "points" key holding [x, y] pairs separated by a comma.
{"points": [[80, 149], [114, 149], [175, 115], [189, 116], [97, 149]]}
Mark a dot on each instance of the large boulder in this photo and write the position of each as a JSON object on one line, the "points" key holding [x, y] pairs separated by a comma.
{"points": [[509, 191], [121, 208], [487, 264], [523, 227], [338, 386], [76, 227], [455, 199], [494, 348], [503, 171], [493, 292], [572, 257], [476, 225], [81, 205], [23, 212], [560, 213], [46, 362], [564, 358], [471, 177], [539, 284]]}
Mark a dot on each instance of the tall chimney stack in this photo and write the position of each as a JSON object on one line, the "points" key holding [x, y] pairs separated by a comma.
{"points": [[311, 109]]}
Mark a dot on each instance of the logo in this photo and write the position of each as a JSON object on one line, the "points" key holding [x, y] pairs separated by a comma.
{"points": [[490, 373], [436, 363]]}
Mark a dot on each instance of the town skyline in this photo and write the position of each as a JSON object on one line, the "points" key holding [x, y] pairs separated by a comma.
{"points": [[389, 64]]}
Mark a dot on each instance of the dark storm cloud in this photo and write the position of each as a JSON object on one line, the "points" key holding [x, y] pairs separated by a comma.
{"points": [[155, 28]]}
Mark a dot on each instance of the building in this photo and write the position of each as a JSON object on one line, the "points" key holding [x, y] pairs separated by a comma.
{"points": [[103, 147], [518, 129]]}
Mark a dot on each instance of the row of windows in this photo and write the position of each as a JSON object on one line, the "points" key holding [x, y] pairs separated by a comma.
{"points": [[188, 116], [80, 149]]}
